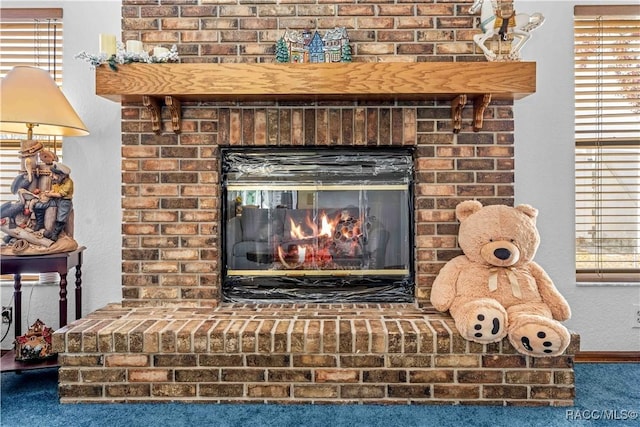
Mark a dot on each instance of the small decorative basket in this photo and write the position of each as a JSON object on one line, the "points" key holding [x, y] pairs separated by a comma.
{"points": [[35, 345]]}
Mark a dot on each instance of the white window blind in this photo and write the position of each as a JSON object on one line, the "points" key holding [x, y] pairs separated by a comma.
{"points": [[607, 133], [31, 37]]}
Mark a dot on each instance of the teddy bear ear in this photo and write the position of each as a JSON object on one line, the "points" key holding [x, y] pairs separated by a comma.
{"points": [[466, 208], [528, 210]]}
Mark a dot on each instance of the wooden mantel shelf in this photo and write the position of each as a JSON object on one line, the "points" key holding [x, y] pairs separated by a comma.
{"points": [[403, 81]]}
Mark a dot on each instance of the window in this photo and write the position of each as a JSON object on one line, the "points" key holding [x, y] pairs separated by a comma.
{"points": [[607, 133], [27, 37], [30, 37]]}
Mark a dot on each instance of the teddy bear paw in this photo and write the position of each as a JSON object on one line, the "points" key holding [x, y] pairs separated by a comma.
{"points": [[485, 324], [488, 327], [539, 336]]}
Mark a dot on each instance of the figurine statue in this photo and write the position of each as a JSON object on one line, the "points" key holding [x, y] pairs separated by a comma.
{"points": [[60, 196], [37, 221], [502, 20]]}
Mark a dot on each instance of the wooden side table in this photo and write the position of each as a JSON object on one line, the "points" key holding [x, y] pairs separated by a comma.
{"points": [[60, 263]]}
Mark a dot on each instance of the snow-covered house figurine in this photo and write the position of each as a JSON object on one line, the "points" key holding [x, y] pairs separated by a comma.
{"points": [[295, 42], [334, 41], [313, 47], [316, 48]]}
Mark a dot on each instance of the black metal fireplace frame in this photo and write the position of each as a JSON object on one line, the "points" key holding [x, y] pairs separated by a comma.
{"points": [[317, 288]]}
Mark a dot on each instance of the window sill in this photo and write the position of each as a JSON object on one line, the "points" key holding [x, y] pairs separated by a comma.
{"points": [[607, 284]]}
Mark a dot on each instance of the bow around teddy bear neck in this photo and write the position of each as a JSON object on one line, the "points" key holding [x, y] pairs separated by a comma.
{"points": [[513, 280]]}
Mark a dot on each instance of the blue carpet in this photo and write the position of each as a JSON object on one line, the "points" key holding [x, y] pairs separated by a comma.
{"points": [[606, 394]]}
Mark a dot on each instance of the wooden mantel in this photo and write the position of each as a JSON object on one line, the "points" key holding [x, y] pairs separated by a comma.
{"points": [[480, 82]]}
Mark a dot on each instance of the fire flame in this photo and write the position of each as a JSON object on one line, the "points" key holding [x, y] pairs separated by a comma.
{"points": [[326, 229], [296, 231], [313, 249]]}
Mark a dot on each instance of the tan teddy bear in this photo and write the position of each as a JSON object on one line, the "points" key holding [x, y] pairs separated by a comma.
{"points": [[496, 289]]}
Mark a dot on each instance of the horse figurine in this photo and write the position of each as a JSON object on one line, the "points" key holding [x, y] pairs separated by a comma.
{"points": [[492, 23]]}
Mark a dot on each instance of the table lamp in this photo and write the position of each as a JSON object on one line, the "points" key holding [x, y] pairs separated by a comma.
{"points": [[32, 103]]}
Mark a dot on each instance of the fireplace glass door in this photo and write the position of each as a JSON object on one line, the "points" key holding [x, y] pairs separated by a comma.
{"points": [[321, 225]]}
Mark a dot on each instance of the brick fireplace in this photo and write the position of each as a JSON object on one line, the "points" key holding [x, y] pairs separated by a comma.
{"points": [[172, 338]]}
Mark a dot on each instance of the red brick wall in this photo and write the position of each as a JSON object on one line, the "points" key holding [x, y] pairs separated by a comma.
{"points": [[171, 205]]}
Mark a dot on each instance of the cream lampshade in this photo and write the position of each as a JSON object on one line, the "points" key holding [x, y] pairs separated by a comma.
{"points": [[32, 103]]}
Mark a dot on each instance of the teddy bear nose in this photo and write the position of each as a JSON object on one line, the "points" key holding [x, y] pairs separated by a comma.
{"points": [[502, 253]]}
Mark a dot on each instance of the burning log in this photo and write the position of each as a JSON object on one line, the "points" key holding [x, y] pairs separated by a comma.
{"points": [[299, 251], [298, 259], [319, 240]]}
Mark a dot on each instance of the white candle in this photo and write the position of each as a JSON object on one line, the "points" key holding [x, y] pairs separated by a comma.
{"points": [[160, 51], [134, 46], [108, 44]]}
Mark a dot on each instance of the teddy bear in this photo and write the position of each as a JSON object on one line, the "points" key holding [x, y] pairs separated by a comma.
{"points": [[495, 289]]}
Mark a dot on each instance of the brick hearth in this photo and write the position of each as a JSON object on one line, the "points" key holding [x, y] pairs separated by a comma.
{"points": [[171, 338], [365, 353]]}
